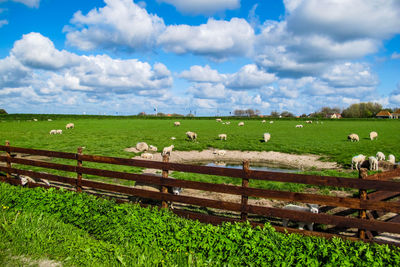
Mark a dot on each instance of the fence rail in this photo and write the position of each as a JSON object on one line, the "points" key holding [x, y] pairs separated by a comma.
{"points": [[375, 202]]}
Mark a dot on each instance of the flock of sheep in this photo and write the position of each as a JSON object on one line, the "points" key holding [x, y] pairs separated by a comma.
{"points": [[59, 131]]}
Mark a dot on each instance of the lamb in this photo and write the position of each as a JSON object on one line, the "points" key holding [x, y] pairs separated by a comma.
{"points": [[218, 120], [380, 156], [146, 155], [59, 131], [191, 135], [267, 136], [241, 123], [70, 126], [53, 132], [222, 136], [27, 179], [373, 135], [299, 126], [177, 123], [308, 121], [142, 146], [34, 119], [356, 161], [263, 121], [391, 159], [271, 122], [167, 150], [173, 138], [373, 163], [313, 208], [353, 137], [153, 148], [228, 122], [219, 152]]}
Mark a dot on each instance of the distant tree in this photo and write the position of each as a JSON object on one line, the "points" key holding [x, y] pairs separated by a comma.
{"points": [[274, 114], [238, 112], [246, 112], [190, 115], [141, 113], [3, 111], [324, 111], [303, 115], [287, 114], [176, 115], [160, 114], [362, 110]]}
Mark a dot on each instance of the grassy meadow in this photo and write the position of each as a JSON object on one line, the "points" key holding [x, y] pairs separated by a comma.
{"points": [[109, 136]]}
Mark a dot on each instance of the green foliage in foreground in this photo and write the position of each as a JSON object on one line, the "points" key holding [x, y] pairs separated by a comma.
{"points": [[109, 136], [235, 244]]}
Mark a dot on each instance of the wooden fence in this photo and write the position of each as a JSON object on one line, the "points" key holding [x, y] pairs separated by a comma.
{"points": [[380, 187]]}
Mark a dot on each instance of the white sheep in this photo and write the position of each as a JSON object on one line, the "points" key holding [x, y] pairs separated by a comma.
{"points": [[228, 122], [218, 120], [380, 156], [53, 132], [373, 163], [241, 123], [191, 135], [34, 119], [222, 136], [373, 135], [142, 146], [146, 155], [308, 121], [173, 138], [167, 150], [27, 179], [263, 121], [267, 137], [313, 208], [271, 122], [219, 152], [353, 137], [49, 120], [70, 126], [59, 131], [177, 123], [356, 161], [392, 159], [153, 148], [299, 126]]}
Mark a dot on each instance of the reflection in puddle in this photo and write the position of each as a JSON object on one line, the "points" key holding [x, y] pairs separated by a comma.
{"points": [[256, 168]]}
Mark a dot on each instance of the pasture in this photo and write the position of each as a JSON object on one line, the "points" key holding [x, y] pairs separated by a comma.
{"points": [[110, 136]]}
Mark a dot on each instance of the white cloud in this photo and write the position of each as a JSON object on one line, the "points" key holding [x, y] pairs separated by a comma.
{"points": [[29, 3], [121, 24], [203, 7], [248, 77], [218, 39], [3, 22], [343, 19], [202, 74], [13, 73], [36, 51], [394, 97], [395, 55], [208, 91]]}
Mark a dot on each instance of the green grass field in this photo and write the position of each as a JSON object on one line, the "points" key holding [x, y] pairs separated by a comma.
{"points": [[109, 136]]}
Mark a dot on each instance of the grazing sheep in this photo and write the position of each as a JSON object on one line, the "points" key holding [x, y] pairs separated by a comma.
{"points": [[380, 156], [191, 135], [53, 132], [146, 155], [70, 126], [356, 161], [353, 137], [373, 135], [222, 136], [271, 122], [218, 120], [241, 123], [142, 146], [228, 122], [173, 138], [177, 123], [263, 121], [267, 136], [313, 208], [373, 163], [299, 126], [27, 179], [49, 120], [308, 121], [219, 152], [153, 148], [167, 150], [34, 119], [59, 131], [392, 159]]}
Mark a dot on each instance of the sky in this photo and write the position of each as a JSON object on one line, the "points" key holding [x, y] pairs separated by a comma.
{"points": [[205, 57]]}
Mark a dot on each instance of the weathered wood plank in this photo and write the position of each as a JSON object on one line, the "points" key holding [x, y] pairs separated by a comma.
{"points": [[40, 152]]}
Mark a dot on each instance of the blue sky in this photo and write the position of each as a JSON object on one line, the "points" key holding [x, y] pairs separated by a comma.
{"points": [[204, 56]]}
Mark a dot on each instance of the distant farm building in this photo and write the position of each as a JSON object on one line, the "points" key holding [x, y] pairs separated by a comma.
{"points": [[384, 114], [396, 114], [334, 115]]}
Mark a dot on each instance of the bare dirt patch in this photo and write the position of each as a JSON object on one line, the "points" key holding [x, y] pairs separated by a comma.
{"points": [[255, 157]]}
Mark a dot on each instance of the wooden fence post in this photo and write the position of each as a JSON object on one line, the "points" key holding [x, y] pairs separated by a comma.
{"points": [[362, 214], [164, 189], [78, 174], [8, 162], [245, 184]]}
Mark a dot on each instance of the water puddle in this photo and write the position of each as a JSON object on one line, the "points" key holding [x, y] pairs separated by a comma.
{"points": [[270, 168]]}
